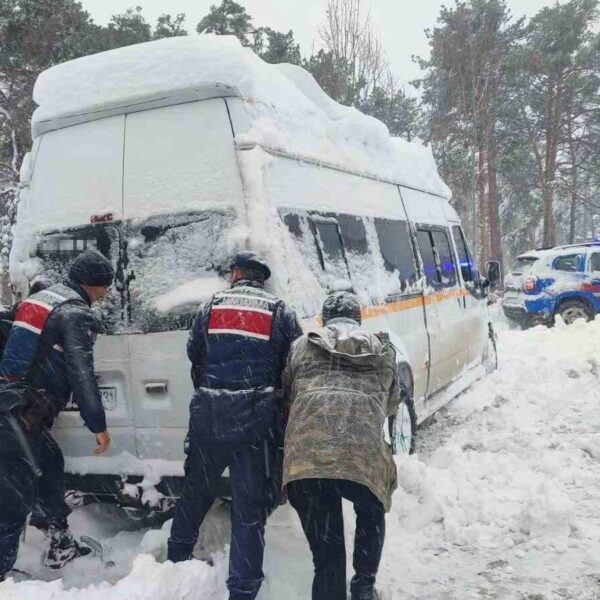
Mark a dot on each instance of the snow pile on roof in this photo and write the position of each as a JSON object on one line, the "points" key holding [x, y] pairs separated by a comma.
{"points": [[290, 113]]}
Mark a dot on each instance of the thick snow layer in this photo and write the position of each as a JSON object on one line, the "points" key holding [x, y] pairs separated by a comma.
{"points": [[500, 502], [288, 110], [192, 292]]}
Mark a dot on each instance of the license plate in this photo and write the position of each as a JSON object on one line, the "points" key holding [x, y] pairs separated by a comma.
{"points": [[109, 397], [511, 295]]}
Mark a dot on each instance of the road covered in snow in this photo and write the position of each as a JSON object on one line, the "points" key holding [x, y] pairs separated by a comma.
{"points": [[501, 501]]}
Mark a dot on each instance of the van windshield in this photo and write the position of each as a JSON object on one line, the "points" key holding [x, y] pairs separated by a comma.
{"points": [[168, 260], [522, 265]]}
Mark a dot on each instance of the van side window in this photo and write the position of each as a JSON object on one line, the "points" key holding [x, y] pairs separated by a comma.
{"points": [[358, 237], [293, 224], [464, 255], [397, 250], [304, 233], [329, 243], [341, 252], [425, 241], [445, 257], [353, 233], [595, 262]]}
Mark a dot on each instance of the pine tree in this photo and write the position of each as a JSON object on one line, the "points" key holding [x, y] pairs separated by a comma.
{"points": [[229, 18]]}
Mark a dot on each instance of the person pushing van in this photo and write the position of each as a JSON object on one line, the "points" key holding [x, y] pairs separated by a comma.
{"points": [[238, 347], [48, 356], [342, 383]]}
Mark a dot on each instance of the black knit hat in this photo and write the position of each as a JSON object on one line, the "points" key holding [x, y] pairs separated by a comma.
{"points": [[250, 261], [341, 305], [91, 268]]}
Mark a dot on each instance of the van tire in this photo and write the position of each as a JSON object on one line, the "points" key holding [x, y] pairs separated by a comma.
{"points": [[572, 309], [407, 417]]}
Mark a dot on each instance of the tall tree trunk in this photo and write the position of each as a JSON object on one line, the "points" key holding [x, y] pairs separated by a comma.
{"points": [[493, 201], [574, 182], [482, 209], [573, 207], [552, 139]]}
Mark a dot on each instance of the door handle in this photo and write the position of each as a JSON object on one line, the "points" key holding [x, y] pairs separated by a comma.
{"points": [[157, 387]]}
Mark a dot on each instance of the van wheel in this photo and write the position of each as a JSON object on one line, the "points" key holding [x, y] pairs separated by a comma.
{"points": [[571, 310], [406, 420], [490, 352]]}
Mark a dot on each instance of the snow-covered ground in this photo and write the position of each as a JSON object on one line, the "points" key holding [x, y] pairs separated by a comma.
{"points": [[502, 501]]}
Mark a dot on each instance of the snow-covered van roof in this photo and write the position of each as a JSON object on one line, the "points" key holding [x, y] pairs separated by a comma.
{"points": [[289, 113]]}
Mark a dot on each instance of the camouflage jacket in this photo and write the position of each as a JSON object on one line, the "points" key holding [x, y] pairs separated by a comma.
{"points": [[341, 384]]}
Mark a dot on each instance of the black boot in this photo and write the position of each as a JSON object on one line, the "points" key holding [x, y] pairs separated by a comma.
{"points": [[63, 549], [17, 575]]}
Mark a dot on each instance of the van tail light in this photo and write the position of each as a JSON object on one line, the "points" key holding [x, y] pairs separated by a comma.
{"points": [[530, 285]]}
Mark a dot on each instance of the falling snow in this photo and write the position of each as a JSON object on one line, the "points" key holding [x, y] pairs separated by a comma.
{"points": [[499, 502]]}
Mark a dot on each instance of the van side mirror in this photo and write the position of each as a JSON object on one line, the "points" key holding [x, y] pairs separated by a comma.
{"points": [[493, 273]]}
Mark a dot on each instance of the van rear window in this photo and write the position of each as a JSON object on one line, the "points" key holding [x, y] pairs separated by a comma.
{"points": [[165, 254], [56, 250]]}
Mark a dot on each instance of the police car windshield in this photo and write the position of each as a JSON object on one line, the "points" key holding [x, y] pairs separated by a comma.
{"points": [[522, 265]]}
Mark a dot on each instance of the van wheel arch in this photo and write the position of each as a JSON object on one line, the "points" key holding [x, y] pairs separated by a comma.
{"points": [[407, 417]]}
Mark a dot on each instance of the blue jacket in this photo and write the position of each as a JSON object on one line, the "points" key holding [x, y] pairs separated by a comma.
{"points": [[50, 347], [238, 347]]}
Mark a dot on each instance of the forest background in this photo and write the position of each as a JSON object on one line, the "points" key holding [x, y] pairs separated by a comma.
{"points": [[510, 107]]}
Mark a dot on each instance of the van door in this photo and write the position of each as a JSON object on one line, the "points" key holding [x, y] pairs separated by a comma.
{"points": [[475, 300], [173, 264], [443, 306], [181, 189], [404, 302], [56, 250]]}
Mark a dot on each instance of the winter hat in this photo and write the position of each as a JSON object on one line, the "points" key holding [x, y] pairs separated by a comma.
{"points": [[341, 305], [91, 268], [250, 261]]}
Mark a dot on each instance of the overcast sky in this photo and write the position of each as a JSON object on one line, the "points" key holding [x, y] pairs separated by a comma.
{"points": [[401, 23]]}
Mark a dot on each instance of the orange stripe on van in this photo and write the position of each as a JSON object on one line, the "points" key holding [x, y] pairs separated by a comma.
{"points": [[370, 312]]}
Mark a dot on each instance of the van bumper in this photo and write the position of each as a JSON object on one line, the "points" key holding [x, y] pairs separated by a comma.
{"points": [[127, 492]]}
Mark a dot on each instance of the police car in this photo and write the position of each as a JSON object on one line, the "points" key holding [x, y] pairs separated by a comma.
{"points": [[564, 281]]}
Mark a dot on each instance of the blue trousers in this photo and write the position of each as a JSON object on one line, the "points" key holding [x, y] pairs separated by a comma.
{"points": [[22, 492], [255, 485]]}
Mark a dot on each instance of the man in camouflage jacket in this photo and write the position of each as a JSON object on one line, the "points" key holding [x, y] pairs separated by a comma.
{"points": [[342, 384]]}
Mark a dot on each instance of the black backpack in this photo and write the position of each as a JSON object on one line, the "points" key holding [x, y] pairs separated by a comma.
{"points": [[6, 322]]}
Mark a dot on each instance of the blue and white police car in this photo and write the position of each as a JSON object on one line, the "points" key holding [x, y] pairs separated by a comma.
{"points": [[564, 281]]}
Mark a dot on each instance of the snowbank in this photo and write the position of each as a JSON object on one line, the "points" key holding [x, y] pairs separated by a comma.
{"points": [[500, 502], [289, 112]]}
